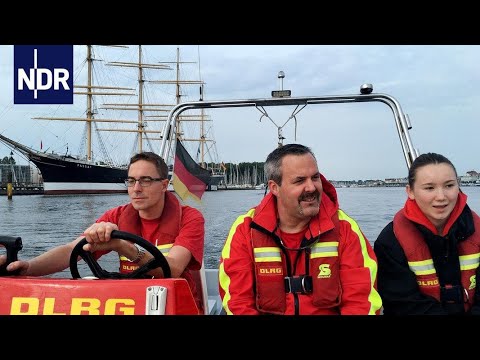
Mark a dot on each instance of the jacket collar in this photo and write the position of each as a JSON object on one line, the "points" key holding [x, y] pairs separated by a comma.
{"points": [[413, 213]]}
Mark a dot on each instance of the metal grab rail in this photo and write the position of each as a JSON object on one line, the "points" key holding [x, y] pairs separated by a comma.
{"points": [[401, 120]]}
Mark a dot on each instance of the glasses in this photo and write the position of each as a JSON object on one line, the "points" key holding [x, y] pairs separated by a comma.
{"points": [[144, 181]]}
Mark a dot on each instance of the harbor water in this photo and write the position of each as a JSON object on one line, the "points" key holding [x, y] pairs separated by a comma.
{"points": [[47, 221]]}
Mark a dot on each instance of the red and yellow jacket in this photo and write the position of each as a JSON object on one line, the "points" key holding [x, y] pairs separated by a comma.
{"points": [[339, 260], [165, 230], [420, 259], [178, 225]]}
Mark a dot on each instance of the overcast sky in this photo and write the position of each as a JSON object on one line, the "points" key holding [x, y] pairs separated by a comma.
{"points": [[437, 86]]}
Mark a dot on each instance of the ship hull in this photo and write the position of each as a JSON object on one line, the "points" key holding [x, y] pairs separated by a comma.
{"points": [[67, 175], [63, 175], [70, 188], [214, 181]]}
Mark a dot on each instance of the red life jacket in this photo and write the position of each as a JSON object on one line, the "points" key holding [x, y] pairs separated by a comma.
{"points": [[165, 233], [271, 274], [421, 263]]}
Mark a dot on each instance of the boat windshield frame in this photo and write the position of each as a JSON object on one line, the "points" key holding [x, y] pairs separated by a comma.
{"points": [[402, 121]]}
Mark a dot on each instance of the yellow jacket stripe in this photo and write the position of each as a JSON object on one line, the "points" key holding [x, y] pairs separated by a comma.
{"points": [[325, 249], [424, 267], [223, 278], [370, 263], [164, 249], [468, 262], [270, 254], [267, 254]]}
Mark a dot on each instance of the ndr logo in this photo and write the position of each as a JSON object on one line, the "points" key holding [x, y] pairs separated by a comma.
{"points": [[43, 74]]}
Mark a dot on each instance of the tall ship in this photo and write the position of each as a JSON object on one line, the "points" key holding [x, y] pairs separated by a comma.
{"points": [[101, 169]]}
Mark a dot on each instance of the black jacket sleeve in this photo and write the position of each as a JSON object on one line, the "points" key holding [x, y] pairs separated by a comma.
{"points": [[396, 283]]}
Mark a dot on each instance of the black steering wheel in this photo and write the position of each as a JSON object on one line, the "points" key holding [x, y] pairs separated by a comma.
{"points": [[140, 273]]}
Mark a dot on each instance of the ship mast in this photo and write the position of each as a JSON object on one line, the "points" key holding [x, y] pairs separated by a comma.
{"points": [[91, 91], [178, 82], [202, 114], [141, 126], [89, 103], [140, 107]]}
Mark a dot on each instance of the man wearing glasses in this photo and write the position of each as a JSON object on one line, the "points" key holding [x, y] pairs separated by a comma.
{"points": [[153, 213]]}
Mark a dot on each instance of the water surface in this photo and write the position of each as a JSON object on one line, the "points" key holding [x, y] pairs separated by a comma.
{"points": [[47, 221]]}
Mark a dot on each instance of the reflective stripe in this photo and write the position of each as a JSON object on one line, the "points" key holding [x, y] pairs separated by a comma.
{"points": [[324, 249], [164, 249], [223, 278], [469, 262], [267, 254], [369, 262], [424, 267]]}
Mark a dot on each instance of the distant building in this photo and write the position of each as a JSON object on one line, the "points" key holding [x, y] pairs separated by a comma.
{"points": [[21, 174], [400, 182], [472, 178]]}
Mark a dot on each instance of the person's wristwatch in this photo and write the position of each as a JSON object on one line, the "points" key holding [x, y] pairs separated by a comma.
{"points": [[140, 254]]}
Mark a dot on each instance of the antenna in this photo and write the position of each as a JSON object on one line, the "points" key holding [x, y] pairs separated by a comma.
{"points": [[281, 76], [281, 93]]}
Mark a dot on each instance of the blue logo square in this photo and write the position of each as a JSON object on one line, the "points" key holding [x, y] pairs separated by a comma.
{"points": [[43, 74]]}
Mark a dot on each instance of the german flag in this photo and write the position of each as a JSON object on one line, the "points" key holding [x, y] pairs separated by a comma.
{"points": [[189, 178]]}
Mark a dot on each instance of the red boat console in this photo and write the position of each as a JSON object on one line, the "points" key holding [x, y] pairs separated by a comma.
{"points": [[49, 296]]}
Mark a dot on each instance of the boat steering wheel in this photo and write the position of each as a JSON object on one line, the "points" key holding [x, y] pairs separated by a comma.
{"points": [[158, 260]]}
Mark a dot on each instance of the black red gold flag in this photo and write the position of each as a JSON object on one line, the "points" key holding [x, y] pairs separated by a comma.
{"points": [[189, 178]]}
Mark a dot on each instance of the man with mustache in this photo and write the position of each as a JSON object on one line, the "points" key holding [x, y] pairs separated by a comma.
{"points": [[297, 252]]}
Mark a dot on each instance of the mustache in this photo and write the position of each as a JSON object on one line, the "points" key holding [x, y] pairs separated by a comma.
{"points": [[305, 196]]}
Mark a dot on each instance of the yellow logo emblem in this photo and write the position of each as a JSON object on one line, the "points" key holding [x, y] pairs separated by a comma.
{"points": [[271, 271], [324, 271], [473, 282], [433, 282]]}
